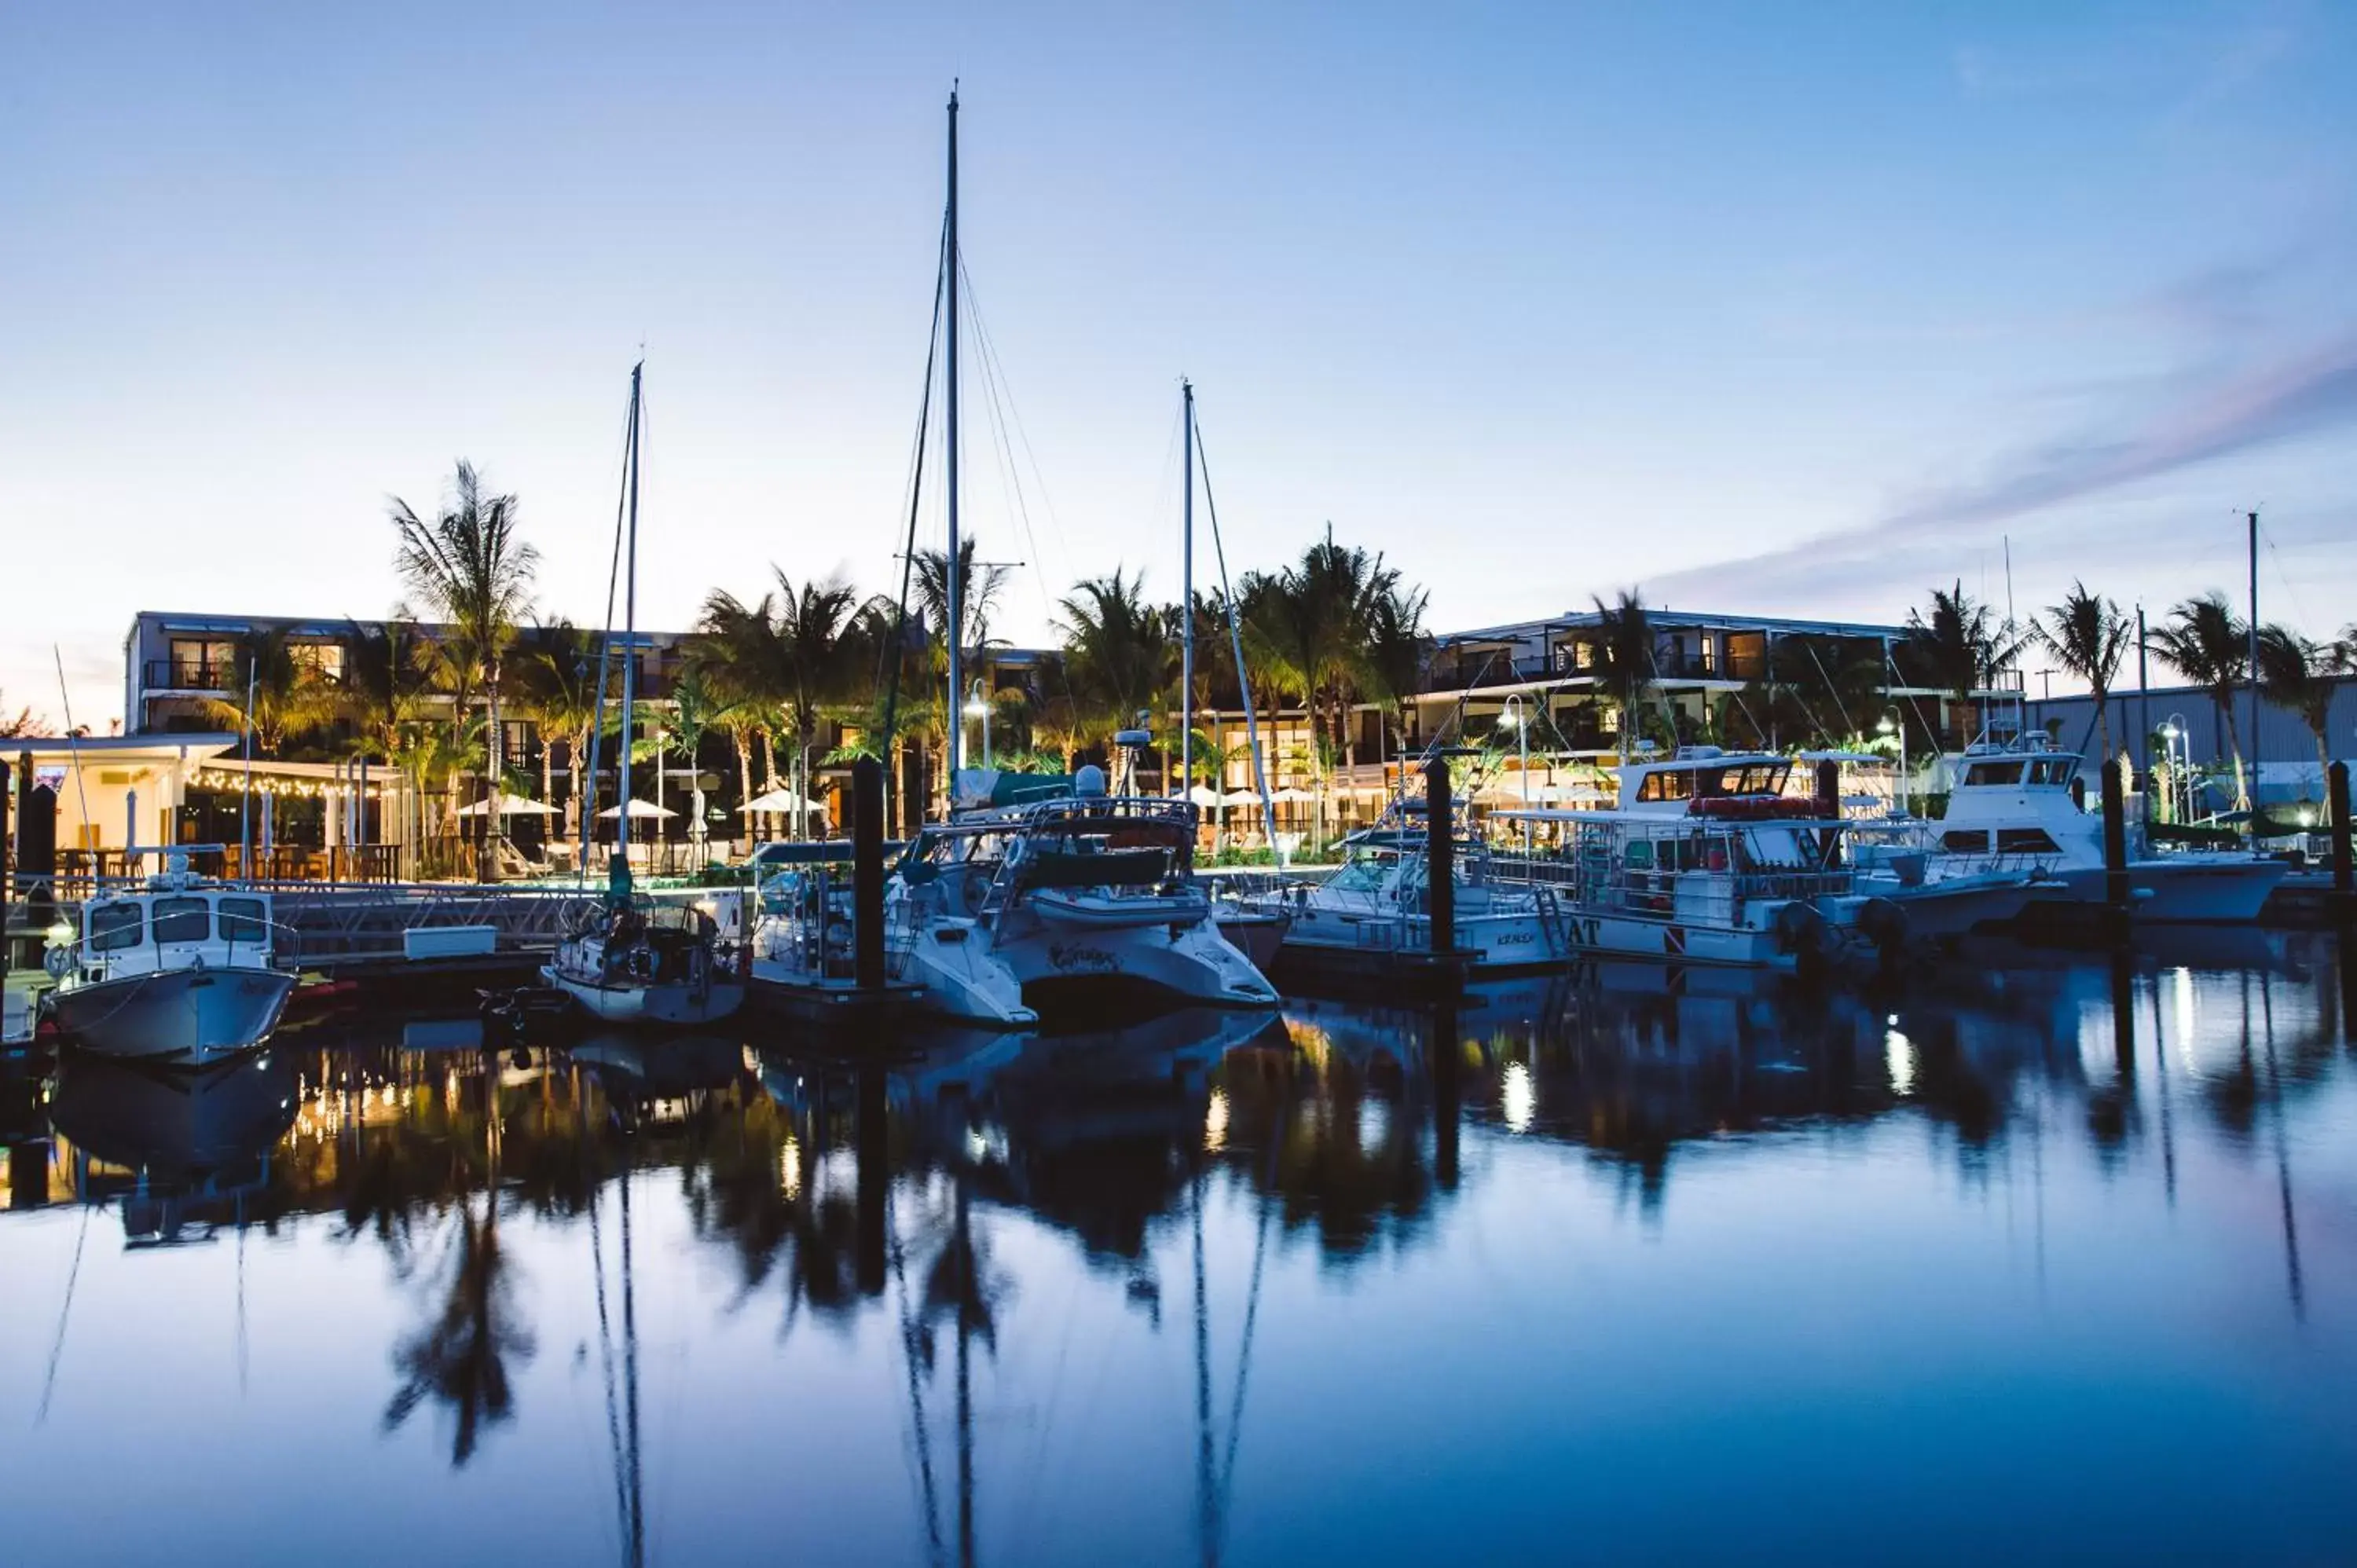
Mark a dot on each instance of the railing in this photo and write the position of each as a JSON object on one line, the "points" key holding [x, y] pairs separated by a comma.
{"points": [[187, 675]]}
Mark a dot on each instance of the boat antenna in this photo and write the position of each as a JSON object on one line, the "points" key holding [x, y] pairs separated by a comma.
{"points": [[1236, 642], [954, 632]]}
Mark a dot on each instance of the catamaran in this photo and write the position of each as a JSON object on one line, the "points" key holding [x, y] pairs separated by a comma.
{"points": [[640, 961], [1040, 885], [181, 970]]}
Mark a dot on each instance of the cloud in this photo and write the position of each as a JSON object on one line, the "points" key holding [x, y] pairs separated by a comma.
{"points": [[2300, 396]]}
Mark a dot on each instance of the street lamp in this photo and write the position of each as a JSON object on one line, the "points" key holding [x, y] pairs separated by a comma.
{"points": [[1520, 720], [979, 707], [2180, 782]]}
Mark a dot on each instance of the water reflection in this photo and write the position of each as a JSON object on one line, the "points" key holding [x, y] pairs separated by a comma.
{"points": [[938, 1211]]}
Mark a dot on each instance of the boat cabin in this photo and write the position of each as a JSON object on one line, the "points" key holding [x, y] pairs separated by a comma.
{"points": [[1142, 843], [1752, 782], [176, 922]]}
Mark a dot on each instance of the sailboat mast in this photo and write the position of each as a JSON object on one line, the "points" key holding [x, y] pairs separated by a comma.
{"points": [[621, 862], [954, 631], [1186, 595], [2254, 656]]}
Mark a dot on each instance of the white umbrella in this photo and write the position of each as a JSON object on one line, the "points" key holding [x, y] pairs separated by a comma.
{"points": [[1206, 797], [1289, 796], [509, 806], [781, 800], [640, 810]]}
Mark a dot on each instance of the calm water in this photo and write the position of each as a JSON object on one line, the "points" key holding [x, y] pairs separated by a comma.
{"points": [[2045, 1261]]}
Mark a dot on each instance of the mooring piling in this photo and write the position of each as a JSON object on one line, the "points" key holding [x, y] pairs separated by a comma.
{"points": [[2115, 845], [867, 874], [1440, 853]]}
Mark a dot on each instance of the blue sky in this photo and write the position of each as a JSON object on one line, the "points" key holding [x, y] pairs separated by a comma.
{"points": [[1786, 309]]}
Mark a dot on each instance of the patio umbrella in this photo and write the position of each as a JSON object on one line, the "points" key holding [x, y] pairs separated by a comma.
{"points": [[784, 800], [640, 811], [509, 806], [1205, 797]]}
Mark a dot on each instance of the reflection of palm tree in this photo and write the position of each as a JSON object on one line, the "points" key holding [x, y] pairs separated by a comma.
{"points": [[462, 1358]]}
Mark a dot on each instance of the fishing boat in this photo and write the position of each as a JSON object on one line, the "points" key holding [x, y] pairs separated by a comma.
{"points": [[637, 961], [181, 970], [1057, 886], [2012, 806]]}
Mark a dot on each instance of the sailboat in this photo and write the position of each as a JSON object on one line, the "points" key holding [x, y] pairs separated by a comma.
{"points": [[640, 961]]}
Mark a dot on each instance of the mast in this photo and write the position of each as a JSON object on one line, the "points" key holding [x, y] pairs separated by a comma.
{"points": [[2254, 802], [619, 873], [1187, 596], [955, 631]]}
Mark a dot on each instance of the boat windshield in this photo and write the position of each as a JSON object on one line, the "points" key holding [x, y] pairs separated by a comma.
{"points": [[2002, 774], [113, 927]]}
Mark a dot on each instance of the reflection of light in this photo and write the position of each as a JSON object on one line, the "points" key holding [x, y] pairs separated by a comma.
{"points": [[1375, 1124], [790, 1169], [1898, 1061], [1517, 1098], [1215, 1121], [2185, 1017], [976, 1145]]}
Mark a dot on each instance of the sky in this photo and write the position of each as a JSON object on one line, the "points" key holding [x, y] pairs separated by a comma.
{"points": [[1790, 310]]}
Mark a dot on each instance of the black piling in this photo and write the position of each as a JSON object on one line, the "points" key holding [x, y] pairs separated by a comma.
{"points": [[1440, 853], [1828, 779], [1447, 1096], [2344, 881], [867, 874], [2115, 845]]}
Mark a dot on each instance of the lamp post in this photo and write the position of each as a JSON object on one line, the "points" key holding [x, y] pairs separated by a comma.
{"points": [[2180, 790], [1520, 720], [979, 707]]}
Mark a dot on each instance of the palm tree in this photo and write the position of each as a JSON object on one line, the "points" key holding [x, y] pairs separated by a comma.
{"points": [[1117, 651], [2089, 637], [1398, 647], [471, 571], [798, 653], [1960, 646], [288, 695], [2205, 642], [980, 587], [2302, 676], [1625, 670], [21, 723], [558, 670]]}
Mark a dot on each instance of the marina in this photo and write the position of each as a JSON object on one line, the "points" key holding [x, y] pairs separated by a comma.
{"points": [[968, 786]]}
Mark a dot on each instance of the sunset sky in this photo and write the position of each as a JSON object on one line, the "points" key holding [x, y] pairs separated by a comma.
{"points": [[1783, 309]]}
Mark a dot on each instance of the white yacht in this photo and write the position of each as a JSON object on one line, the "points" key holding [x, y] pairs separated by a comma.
{"points": [[1706, 859], [1039, 884], [1379, 901], [2011, 806], [181, 970]]}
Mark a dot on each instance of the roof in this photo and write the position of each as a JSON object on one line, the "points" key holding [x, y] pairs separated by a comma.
{"points": [[54, 750], [1673, 620]]}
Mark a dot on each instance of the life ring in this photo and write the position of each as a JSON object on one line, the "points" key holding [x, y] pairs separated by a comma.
{"points": [[59, 962]]}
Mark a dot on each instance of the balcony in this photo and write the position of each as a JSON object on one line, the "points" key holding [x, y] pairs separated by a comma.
{"points": [[187, 675]]}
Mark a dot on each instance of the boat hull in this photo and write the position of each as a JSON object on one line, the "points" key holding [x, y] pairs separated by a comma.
{"points": [[1944, 908], [174, 1015], [663, 1003], [1491, 944], [1193, 963], [2189, 888], [1613, 934]]}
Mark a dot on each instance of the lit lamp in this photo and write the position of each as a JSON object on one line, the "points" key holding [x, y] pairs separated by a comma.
{"points": [[977, 707]]}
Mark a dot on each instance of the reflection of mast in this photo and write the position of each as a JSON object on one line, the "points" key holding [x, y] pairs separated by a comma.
{"points": [[2168, 1134], [1206, 1511], [623, 1417], [917, 1400], [2283, 1154], [963, 1253]]}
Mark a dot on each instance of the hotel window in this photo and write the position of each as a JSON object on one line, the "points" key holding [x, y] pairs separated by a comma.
{"points": [[203, 663], [325, 659], [1582, 656], [1709, 653]]}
